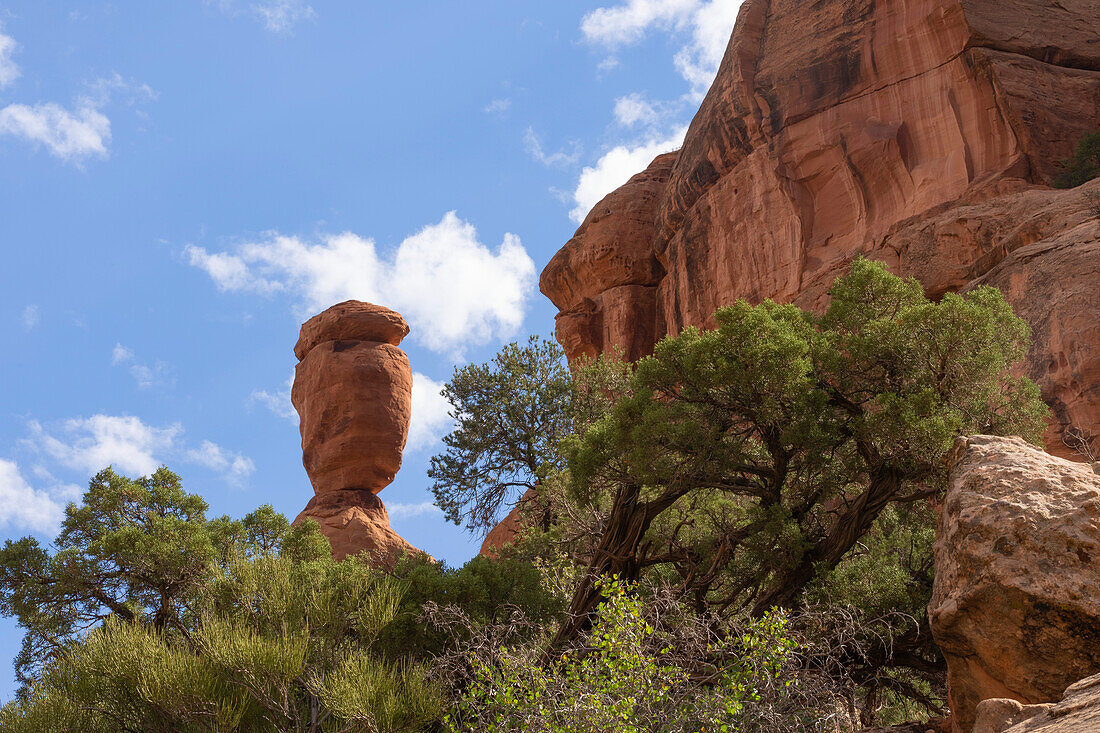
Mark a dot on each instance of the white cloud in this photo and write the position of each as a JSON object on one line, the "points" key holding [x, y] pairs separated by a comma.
{"points": [[9, 70], [88, 445], [405, 511], [635, 109], [30, 317], [608, 64], [712, 26], [452, 289], [430, 413], [69, 135], [279, 401], [627, 23], [146, 376], [559, 159], [498, 106], [280, 16], [232, 465], [120, 355], [707, 23], [615, 168], [24, 507], [129, 92]]}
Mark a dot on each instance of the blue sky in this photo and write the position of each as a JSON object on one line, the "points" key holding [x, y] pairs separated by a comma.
{"points": [[184, 183]]}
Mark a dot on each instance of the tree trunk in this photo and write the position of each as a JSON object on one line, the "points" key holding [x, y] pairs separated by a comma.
{"points": [[616, 554], [847, 530]]}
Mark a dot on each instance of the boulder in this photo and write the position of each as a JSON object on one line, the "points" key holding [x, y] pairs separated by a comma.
{"points": [[921, 133], [356, 522], [354, 397], [1015, 606], [1077, 712], [352, 320]]}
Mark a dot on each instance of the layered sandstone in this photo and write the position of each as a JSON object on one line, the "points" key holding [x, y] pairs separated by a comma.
{"points": [[1015, 606], [353, 392], [917, 132]]}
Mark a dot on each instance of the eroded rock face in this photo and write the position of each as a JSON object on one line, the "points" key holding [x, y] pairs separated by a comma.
{"points": [[1015, 607], [917, 132], [353, 392], [1077, 712], [605, 278], [354, 396]]}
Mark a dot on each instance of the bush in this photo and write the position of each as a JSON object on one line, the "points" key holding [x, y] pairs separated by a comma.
{"points": [[1083, 166], [149, 617], [644, 666], [486, 591]]}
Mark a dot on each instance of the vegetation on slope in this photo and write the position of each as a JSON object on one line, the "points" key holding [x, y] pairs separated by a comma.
{"points": [[732, 534]]}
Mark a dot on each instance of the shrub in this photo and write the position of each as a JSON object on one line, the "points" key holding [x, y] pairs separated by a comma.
{"points": [[148, 617], [1083, 165], [644, 666]]}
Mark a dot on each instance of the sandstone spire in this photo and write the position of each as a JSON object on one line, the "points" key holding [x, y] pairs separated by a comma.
{"points": [[353, 392]]}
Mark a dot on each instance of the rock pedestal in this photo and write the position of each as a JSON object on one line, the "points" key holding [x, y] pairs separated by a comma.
{"points": [[353, 393]]}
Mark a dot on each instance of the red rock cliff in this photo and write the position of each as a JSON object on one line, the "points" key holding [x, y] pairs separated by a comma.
{"points": [[921, 133]]}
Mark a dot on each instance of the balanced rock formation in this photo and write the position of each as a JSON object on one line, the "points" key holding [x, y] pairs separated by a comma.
{"points": [[353, 392], [921, 133], [1015, 606], [1077, 712]]}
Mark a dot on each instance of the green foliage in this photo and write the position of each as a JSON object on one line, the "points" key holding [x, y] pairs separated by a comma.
{"points": [[1083, 166], [149, 617], [747, 462], [134, 548], [485, 590], [626, 678], [736, 447], [511, 414]]}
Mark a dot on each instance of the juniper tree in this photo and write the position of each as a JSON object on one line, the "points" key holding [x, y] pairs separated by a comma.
{"points": [[748, 460], [511, 414]]}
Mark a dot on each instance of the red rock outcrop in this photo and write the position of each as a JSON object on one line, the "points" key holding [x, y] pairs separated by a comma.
{"points": [[917, 132], [508, 529], [1015, 606], [353, 392], [1077, 712], [356, 521]]}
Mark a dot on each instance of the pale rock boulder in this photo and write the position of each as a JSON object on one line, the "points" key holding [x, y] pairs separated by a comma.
{"points": [[1077, 712], [1015, 607]]}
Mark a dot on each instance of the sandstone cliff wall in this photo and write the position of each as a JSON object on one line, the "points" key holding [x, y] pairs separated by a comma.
{"points": [[921, 133]]}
